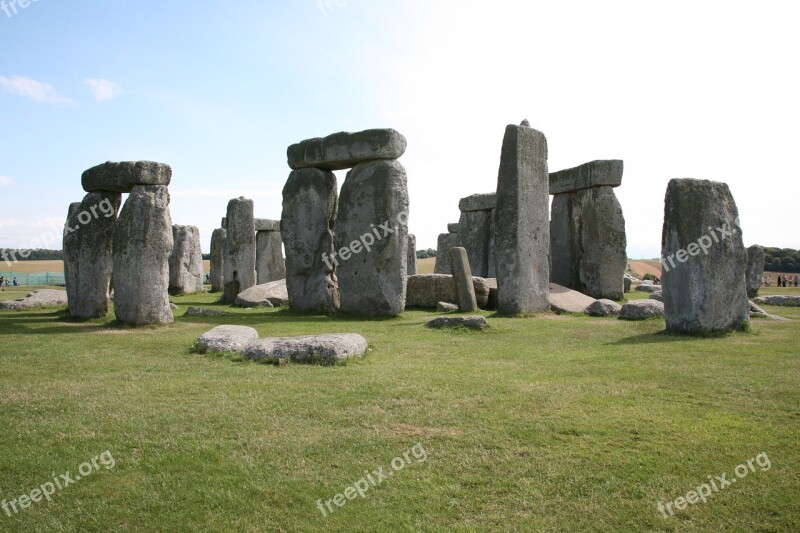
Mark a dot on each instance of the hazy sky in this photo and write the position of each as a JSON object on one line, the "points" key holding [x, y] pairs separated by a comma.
{"points": [[703, 89]]}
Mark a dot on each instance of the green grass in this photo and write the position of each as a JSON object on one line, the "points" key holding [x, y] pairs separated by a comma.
{"points": [[550, 423]]}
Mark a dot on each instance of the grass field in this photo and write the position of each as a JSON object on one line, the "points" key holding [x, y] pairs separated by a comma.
{"points": [[551, 423]]}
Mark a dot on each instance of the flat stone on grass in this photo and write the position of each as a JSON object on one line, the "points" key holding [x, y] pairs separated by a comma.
{"points": [[602, 308], [35, 300], [328, 349], [641, 310], [227, 339], [476, 322]]}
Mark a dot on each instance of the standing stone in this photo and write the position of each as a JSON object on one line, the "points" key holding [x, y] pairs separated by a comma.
{"points": [[522, 223], [270, 265], [371, 239], [475, 235], [186, 261], [411, 269], [217, 259], [755, 270], [443, 245], [239, 268], [142, 246], [703, 259], [88, 253], [309, 211], [462, 275]]}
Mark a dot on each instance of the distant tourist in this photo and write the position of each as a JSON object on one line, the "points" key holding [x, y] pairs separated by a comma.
{"points": [[796, 281], [16, 281]]}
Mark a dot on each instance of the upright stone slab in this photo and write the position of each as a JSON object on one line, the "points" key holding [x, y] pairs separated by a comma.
{"points": [[755, 270], [217, 259], [411, 269], [475, 234], [522, 223], [309, 212], [186, 261], [371, 239], [462, 275], [346, 150], [239, 268], [565, 252], [270, 265], [142, 246], [88, 253], [703, 259], [443, 245]]}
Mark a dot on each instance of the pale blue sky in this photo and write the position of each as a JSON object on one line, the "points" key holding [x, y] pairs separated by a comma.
{"points": [[219, 89]]}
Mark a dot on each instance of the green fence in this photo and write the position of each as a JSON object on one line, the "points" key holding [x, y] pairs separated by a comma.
{"points": [[38, 278]]}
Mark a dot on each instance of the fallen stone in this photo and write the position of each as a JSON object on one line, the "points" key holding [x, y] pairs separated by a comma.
{"points": [[478, 202], [564, 300], [649, 287], [593, 174], [309, 212], [703, 270], [427, 290], [272, 294], [782, 300], [758, 312], [123, 177], [755, 270], [658, 296], [641, 310], [199, 311], [329, 349], [470, 322], [35, 300], [346, 150], [604, 308], [227, 339], [444, 307]]}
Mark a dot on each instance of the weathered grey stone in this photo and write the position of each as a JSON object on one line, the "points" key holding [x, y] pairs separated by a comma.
{"points": [[199, 311], [270, 265], [329, 349], [641, 310], [265, 224], [88, 253], [475, 235], [123, 177], [462, 275], [411, 262], [755, 270], [593, 174], [522, 223], [648, 287], [444, 307], [658, 296], [705, 289], [564, 300], [371, 239], [588, 242], [272, 294], [309, 212], [781, 300], [478, 202], [476, 322], [603, 308], [346, 150], [227, 339], [218, 248], [758, 312], [224, 223], [443, 245], [36, 300], [186, 261], [142, 246], [239, 267], [427, 290], [452, 228], [626, 284]]}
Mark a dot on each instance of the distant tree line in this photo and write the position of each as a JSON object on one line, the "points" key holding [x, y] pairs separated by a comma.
{"points": [[424, 254], [782, 260], [32, 255]]}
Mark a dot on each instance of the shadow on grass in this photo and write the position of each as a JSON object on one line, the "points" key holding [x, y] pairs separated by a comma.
{"points": [[665, 336]]}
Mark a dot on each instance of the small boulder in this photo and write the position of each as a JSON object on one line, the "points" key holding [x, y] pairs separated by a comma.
{"points": [[35, 300], [199, 311], [470, 322], [648, 287], [564, 300], [328, 349], [604, 308], [444, 307], [272, 294], [641, 310], [227, 339], [657, 296]]}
